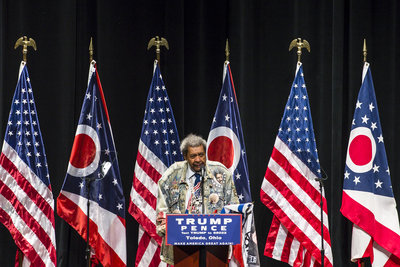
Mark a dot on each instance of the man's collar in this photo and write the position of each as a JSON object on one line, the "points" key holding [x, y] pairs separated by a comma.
{"points": [[189, 172]]}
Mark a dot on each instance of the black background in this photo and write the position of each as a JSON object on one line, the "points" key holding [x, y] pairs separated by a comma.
{"points": [[259, 33]]}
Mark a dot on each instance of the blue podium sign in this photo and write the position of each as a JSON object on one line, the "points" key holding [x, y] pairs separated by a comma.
{"points": [[203, 229]]}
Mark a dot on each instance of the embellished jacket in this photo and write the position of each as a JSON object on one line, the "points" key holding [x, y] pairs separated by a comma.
{"points": [[219, 190]]}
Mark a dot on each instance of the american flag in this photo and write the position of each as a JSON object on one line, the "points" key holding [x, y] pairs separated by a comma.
{"points": [[289, 188], [225, 144], [94, 157], [26, 200], [158, 149], [368, 199]]}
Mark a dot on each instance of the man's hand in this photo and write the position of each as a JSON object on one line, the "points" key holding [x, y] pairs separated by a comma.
{"points": [[160, 218]]}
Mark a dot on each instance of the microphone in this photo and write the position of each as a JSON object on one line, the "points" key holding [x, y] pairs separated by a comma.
{"points": [[202, 170]]}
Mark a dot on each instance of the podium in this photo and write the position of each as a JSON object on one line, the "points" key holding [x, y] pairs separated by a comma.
{"points": [[202, 239], [194, 256]]}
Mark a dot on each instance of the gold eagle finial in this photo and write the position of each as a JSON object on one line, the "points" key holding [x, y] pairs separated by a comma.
{"points": [[300, 45], [24, 42], [157, 42]]}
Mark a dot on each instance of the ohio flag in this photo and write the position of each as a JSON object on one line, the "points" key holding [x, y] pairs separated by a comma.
{"points": [[225, 144], [368, 199], [93, 157]]}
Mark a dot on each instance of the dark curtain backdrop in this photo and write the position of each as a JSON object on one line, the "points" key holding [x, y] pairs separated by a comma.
{"points": [[259, 33]]}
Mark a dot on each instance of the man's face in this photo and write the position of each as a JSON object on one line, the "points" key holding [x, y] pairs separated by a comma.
{"points": [[196, 157]]}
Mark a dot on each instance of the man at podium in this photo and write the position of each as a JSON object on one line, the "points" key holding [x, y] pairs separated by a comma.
{"points": [[192, 186]]}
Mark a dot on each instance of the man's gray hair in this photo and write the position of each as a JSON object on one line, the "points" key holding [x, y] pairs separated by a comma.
{"points": [[192, 141]]}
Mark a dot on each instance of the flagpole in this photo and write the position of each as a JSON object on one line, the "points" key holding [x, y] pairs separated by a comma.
{"points": [[88, 181], [24, 42], [227, 51], [300, 44], [320, 180], [157, 42], [91, 50], [365, 50], [361, 261]]}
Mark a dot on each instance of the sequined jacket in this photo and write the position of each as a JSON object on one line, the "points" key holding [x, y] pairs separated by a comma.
{"points": [[219, 190]]}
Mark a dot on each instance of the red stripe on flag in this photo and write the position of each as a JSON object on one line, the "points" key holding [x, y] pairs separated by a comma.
{"points": [[271, 238], [144, 221], [29, 190], [155, 261], [142, 246], [73, 215], [144, 243], [20, 241], [286, 248], [365, 219], [393, 261], [233, 85], [299, 257], [286, 251], [237, 254], [148, 168], [307, 259], [296, 203], [103, 100], [293, 199], [368, 253], [29, 220], [296, 176], [144, 192], [292, 228], [317, 264]]}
